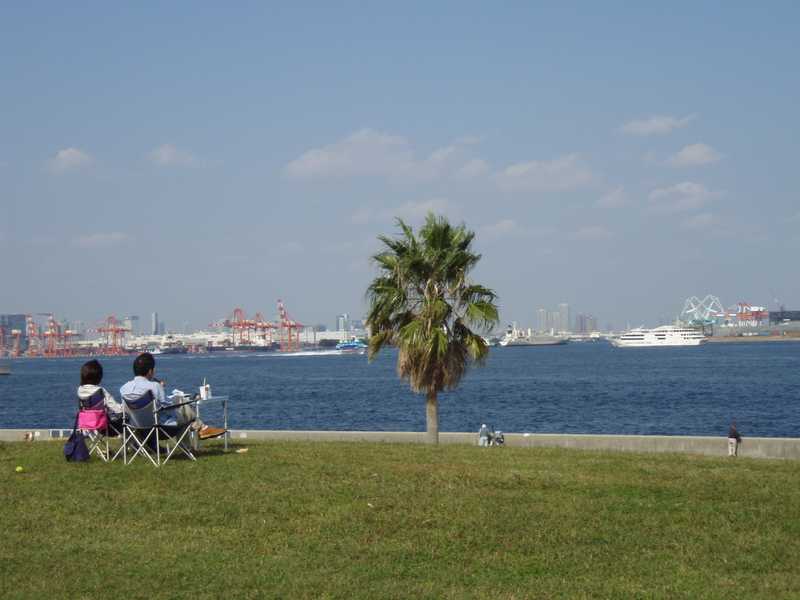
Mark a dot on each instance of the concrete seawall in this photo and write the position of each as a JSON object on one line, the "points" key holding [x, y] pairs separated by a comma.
{"points": [[711, 446]]}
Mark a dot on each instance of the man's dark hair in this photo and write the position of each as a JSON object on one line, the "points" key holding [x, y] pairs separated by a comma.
{"points": [[143, 364], [91, 373]]}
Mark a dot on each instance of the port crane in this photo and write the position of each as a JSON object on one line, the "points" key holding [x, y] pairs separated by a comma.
{"points": [[264, 328], [289, 332], [33, 333], [114, 336]]}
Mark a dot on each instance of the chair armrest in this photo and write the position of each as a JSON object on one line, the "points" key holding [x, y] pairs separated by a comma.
{"points": [[174, 406]]}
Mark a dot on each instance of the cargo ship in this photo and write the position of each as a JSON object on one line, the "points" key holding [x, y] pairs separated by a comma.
{"points": [[517, 337]]}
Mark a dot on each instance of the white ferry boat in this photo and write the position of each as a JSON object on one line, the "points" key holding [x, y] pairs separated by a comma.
{"points": [[666, 335]]}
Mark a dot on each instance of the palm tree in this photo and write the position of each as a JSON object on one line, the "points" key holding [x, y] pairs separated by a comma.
{"points": [[423, 303]]}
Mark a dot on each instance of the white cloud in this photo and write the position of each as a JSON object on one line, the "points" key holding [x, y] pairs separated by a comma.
{"points": [[472, 169], [69, 159], [656, 125], [101, 240], [167, 155], [563, 173], [411, 211], [365, 152], [506, 228], [442, 155], [502, 228], [694, 155], [591, 233], [614, 199], [682, 197], [699, 221], [371, 153]]}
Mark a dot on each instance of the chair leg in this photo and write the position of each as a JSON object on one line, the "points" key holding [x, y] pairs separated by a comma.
{"points": [[179, 445], [95, 445], [141, 448]]}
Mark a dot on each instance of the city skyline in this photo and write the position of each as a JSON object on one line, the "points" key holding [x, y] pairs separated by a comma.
{"points": [[205, 175]]}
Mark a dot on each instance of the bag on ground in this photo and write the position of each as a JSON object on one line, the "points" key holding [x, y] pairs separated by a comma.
{"points": [[75, 450]]}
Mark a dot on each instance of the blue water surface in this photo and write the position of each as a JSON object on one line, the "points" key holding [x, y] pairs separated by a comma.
{"points": [[576, 388]]}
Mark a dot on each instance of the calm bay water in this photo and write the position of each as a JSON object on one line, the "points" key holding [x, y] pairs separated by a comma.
{"points": [[577, 388]]}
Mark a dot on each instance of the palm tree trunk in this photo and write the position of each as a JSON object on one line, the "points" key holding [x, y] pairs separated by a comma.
{"points": [[432, 419]]}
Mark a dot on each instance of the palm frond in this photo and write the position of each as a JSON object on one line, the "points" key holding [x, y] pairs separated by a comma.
{"points": [[424, 303]]}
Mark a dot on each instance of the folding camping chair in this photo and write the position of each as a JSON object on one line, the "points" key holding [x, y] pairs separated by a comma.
{"points": [[94, 423], [143, 434]]}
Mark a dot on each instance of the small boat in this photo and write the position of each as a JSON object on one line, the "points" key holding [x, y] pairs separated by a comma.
{"points": [[5, 369], [354, 346]]}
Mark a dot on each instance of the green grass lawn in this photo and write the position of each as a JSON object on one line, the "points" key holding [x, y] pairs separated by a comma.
{"points": [[359, 520]]}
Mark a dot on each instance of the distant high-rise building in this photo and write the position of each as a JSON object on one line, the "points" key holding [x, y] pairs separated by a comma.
{"points": [[585, 323], [541, 320], [12, 322], [130, 323], [563, 317], [154, 324], [343, 322], [580, 323], [162, 328], [553, 319]]}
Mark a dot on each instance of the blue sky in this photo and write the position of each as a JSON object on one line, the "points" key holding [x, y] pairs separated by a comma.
{"points": [[192, 158]]}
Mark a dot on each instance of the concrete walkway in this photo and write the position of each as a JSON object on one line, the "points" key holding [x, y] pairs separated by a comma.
{"points": [[711, 446]]}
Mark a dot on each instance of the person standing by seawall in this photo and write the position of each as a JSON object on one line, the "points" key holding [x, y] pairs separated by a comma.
{"points": [[734, 439]]}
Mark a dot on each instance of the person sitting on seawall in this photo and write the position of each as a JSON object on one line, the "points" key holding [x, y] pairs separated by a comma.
{"points": [[92, 396], [144, 370]]}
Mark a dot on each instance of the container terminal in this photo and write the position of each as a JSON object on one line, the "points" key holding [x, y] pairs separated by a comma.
{"points": [[42, 335], [24, 336]]}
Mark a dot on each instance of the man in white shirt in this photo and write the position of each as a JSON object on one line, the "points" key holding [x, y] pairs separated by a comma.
{"points": [[144, 368]]}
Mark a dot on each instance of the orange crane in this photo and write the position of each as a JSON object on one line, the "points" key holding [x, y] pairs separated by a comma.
{"points": [[51, 337], [56, 339], [241, 328], [264, 328], [114, 336], [33, 334], [289, 332], [747, 312], [67, 336]]}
